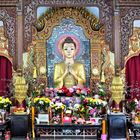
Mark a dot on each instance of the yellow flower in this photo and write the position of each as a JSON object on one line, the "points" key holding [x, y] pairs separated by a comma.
{"points": [[42, 98], [47, 100], [63, 106], [0, 98], [36, 99]]}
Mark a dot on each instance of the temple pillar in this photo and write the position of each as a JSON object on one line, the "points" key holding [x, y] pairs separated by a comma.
{"points": [[40, 60], [95, 62], [116, 37], [19, 36]]}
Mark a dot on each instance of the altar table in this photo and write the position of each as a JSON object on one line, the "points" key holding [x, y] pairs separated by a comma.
{"points": [[68, 130]]}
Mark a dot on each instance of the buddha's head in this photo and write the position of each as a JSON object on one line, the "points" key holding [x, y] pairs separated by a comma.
{"points": [[69, 48]]}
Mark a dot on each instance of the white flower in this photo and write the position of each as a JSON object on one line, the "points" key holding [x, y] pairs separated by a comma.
{"points": [[136, 101], [101, 90], [104, 103], [76, 107], [41, 102], [51, 103], [59, 104], [60, 91], [96, 96]]}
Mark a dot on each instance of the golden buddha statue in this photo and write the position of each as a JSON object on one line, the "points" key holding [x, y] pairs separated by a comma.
{"points": [[69, 73]]}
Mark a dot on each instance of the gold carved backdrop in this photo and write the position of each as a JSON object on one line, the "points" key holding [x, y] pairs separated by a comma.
{"points": [[42, 30]]}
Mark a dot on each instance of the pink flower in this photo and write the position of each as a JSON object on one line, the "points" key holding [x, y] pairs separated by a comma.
{"points": [[71, 90], [88, 90], [46, 89], [78, 90], [53, 100], [74, 87], [92, 111], [82, 91], [51, 89], [85, 101]]}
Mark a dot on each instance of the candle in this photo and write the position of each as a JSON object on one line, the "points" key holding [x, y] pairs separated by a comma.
{"points": [[62, 116], [50, 114], [33, 120], [33, 113], [103, 126], [35, 73]]}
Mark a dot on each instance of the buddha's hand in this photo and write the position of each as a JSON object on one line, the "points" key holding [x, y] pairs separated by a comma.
{"points": [[66, 71], [72, 71]]}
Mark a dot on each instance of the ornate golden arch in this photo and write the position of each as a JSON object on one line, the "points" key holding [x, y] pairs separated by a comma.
{"points": [[134, 44], [42, 30], [4, 45]]}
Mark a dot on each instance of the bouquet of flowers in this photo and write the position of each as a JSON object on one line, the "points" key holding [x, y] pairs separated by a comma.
{"points": [[82, 91], [5, 103], [94, 102], [101, 90], [64, 91], [98, 103], [132, 105], [42, 103], [81, 111], [57, 107]]}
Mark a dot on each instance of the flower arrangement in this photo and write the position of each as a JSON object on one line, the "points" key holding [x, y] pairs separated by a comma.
{"points": [[57, 107], [50, 92], [69, 92], [56, 119], [64, 91], [101, 90], [132, 105], [90, 106], [98, 103], [5, 103], [82, 91], [42, 103], [95, 102], [78, 110]]}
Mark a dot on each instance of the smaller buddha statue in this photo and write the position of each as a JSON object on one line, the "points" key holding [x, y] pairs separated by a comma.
{"points": [[69, 73]]}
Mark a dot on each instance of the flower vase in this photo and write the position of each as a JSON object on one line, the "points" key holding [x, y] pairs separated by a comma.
{"points": [[3, 115], [40, 110]]}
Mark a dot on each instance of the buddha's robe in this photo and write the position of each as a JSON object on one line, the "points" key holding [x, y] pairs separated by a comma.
{"points": [[69, 79]]}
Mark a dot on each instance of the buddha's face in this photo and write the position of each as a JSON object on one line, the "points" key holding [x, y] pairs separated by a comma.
{"points": [[69, 50]]}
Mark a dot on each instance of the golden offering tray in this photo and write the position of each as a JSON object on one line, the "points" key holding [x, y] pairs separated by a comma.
{"points": [[20, 113]]}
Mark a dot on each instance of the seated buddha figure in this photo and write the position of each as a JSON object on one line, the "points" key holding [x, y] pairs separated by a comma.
{"points": [[69, 73]]}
